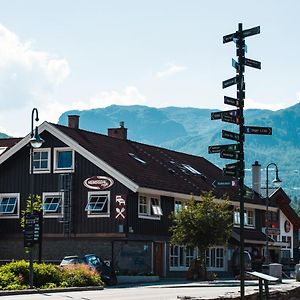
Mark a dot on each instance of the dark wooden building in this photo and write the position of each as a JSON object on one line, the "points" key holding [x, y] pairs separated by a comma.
{"points": [[111, 196]]}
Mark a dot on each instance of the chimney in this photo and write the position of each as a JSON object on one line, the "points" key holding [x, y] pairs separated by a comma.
{"points": [[256, 177], [119, 133], [73, 121]]}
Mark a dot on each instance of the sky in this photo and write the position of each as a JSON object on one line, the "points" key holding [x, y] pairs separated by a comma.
{"points": [[59, 55]]}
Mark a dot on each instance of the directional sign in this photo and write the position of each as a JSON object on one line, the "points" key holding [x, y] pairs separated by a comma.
{"points": [[231, 135], [224, 183], [231, 172], [249, 32], [258, 130], [228, 38], [232, 166], [229, 155], [229, 82], [231, 119], [32, 232], [252, 63], [235, 64], [219, 148], [218, 115], [231, 101]]}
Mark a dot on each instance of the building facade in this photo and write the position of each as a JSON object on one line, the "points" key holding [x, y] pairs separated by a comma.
{"points": [[113, 197]]}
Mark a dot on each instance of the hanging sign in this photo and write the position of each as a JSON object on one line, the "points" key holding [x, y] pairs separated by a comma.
{"points": [[98, 182]]}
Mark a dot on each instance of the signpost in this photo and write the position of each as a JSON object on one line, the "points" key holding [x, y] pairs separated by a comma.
{"points": [[32, 232], [237, 169]]}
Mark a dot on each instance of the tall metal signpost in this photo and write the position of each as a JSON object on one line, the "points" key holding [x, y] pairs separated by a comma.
{"points": [[236, 116]]}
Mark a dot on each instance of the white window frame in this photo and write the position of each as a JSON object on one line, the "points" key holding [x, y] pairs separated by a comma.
{"points": [[55, 162], [50, 214], [42, 170], [182, 255], [247, 212], [99, 214], [179, 204], [17, 209], [153, 208], [215, 261], [2, 149]]}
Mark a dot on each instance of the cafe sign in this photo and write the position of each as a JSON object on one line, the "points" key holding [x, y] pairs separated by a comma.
{"points": [[98, 182]]}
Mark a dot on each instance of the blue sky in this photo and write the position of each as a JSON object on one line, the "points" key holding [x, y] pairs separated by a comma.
{"points": [[62, 55]]}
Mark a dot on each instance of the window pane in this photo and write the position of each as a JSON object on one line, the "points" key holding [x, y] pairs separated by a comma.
{"points": [[44, 155], [8, 205], [97, 204], [64, 159]]}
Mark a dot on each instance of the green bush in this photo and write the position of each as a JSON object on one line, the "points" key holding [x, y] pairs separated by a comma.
{"points": [[15, 275], [80, 275]]}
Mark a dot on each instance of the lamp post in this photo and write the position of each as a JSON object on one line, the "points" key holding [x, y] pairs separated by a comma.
{"points": [[276, 180], [35, 142]]}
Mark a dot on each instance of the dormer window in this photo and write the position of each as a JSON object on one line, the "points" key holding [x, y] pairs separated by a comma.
{"points": [[149, 208], [137, 158], [41, 160]]}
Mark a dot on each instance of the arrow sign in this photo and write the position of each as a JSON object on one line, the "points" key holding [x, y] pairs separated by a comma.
{"points": [[231, 119], [228, 38], [252, 63], [231, 101], [218, 115], [235, 64], [219, 148], [249, 32], [224, 183], [230, 172], [232, 166], [229, 155], [229, 82], [231, 135], [258, 130]]}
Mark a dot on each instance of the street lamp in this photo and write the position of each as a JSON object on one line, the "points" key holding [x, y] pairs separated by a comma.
{"points": [[275, 181], [36, 142]]}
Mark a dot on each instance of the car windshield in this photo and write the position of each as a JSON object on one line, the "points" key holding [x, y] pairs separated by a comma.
{"points": [[93, 260], [71, 261]]}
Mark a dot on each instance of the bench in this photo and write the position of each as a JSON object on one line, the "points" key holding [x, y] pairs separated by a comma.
{"points": [[266, 278]]}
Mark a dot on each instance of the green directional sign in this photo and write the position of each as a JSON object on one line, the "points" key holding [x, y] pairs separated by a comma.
{"points": [[231, 119], [218, 114], [252, 63], [229, 82], [231, 135], [232, 101], [229, 155], [258, 130], [251, 31], [219, 148]]}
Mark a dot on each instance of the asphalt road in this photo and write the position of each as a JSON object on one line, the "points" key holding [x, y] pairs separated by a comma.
{"points": [[153, 292]]}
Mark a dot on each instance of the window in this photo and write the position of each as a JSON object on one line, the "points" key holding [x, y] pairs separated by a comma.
{"points": [[63, 160], [53, 204], [181, 257], [137, 158], [215, 259], [178, 205], [248, 217], [191, 169], [9, 205], [98, 204], [41, 160], [149, 208]]}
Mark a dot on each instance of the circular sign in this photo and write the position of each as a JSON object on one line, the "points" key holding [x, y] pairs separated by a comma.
{"points": [[98, 182], [287, 226]]}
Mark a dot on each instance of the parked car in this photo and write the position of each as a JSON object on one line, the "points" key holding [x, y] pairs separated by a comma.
{"points": [[106, 272], [236, 266]]}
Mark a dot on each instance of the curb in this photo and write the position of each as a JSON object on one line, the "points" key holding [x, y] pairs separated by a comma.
{"points": [[54, 290]]}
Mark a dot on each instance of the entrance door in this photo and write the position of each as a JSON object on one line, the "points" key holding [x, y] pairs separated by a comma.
{"points": [[158, 258]]}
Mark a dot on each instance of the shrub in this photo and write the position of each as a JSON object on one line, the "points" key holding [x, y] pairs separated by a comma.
{"points": [[45, 274], [80, 275]]}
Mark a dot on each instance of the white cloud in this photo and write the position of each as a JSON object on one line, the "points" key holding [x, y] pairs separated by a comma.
{"points": [[28, 78], [129, 96], [170, 69], [251, 103]]}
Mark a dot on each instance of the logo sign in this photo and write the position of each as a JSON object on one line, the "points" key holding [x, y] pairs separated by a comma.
{"points": [[120, 207], [287, 226], [252, 63], [232, 101], [258, 130], [224, 183], [229, 82], [251, 31], [98, 182]]}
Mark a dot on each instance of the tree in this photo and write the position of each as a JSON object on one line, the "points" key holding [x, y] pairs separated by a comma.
{"points": [[202, 224]]}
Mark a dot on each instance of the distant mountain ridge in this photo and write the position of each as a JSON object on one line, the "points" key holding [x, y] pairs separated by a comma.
{"points": [[191, 130]]}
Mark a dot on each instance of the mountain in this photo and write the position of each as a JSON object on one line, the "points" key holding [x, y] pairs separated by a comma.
{"points": [[191, 130], [3, 135]]}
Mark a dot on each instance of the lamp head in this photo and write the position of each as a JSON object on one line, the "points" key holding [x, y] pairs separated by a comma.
{"points": [[36, 141], [276, 180]]}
